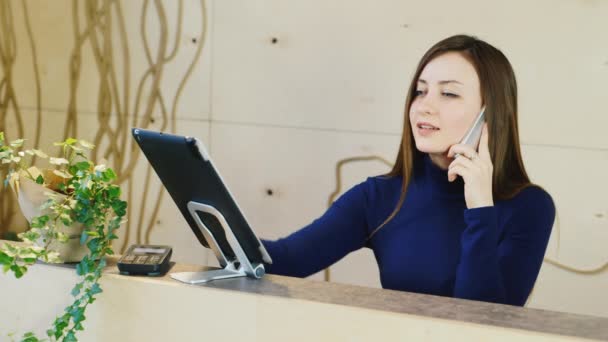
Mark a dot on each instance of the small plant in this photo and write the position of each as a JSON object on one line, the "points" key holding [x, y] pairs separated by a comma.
{"points": [[79, 192]]}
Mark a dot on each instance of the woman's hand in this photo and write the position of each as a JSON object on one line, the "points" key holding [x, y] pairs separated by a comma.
{"points": [[476, 169]]}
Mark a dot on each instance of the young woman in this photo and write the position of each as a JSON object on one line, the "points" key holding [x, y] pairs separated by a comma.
{"points": [[448, 219]]}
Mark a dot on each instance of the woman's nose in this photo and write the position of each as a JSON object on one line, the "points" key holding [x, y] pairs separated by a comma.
{"points": [[426, 105]]}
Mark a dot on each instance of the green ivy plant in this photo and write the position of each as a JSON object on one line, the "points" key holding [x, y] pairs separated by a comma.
{"points": [[90, 198]]}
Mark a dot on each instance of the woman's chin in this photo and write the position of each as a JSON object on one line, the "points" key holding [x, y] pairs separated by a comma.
{"points": [[431, 149]]}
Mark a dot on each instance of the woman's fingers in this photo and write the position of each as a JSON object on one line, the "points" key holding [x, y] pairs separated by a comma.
{"points": [[461, 164], [462, 149], [457, 170]]}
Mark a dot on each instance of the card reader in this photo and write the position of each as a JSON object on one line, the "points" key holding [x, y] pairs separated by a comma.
{"points": [[150, 260]]}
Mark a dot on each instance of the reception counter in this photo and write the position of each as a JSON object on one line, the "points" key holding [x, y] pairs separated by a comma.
{"points": [[274, 308]]}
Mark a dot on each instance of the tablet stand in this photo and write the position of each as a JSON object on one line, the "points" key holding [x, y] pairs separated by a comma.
{"points": [[237, 267]]}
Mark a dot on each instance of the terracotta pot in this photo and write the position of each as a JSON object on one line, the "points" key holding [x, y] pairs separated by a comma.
{"points": [[30, 197]]}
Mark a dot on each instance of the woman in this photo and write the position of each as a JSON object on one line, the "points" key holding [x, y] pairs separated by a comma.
{"points": [[468, 226]]}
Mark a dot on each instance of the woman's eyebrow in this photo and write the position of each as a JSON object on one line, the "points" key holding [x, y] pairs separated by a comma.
{"points": [[441, 82]]}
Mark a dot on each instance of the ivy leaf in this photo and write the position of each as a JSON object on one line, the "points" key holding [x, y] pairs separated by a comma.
{"points": [[62, 237], [76, 290], [108, 175], [5, 259], [94, 244], [65, 219], [95, 289], [84, 165], [17, 143], [40, 153], [114, 191], [76, 148], [80, 269], [70, 337], [39, 180], [70, 141], [29, 337], [19, 271], [86, 144], [62, 174], [100, 168], [83, 237], [58, 161]]}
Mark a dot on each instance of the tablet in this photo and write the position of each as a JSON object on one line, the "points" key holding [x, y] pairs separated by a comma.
{"points": [[187, 172]]}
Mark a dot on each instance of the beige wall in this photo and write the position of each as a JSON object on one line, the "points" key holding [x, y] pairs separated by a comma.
{"points": [[280, 115]]}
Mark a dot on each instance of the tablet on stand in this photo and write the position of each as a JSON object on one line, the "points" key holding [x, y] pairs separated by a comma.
{"points": [[187, 172]]}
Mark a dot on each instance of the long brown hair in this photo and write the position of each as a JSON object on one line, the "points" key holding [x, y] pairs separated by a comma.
{"points": [[498, 93]]}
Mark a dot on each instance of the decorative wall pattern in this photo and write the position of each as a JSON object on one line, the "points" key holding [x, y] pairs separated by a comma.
{"points": [[99, 30]]}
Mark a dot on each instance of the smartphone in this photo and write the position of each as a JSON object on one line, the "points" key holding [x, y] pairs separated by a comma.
{"points": [[474, 134]]}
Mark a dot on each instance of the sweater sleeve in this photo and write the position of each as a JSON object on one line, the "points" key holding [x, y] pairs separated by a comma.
{"points": [[503, 268], [341, 230]]}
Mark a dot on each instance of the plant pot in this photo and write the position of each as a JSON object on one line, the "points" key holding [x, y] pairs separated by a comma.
{"points": [[31, 196]]}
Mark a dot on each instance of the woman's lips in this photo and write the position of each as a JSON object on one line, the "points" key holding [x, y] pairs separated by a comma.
{"points": [[426, 129]]}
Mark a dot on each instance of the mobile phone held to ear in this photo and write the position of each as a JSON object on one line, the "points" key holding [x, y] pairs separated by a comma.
{"points": [[474, 134]]}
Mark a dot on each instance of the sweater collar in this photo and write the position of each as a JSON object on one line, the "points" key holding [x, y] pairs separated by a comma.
{"points": [[436, 178]]}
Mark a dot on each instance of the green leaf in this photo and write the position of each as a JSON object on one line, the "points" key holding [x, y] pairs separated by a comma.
{"points": [[76, 290], [19, 271], [1, 138], [70, 141], [40, 153], [5, 259], [58, 161], [119, 207], [62, 174], [114, 191], [86, 144], [92, 233], [108, 175], [95, 289], [94, 244], [17, 143], [83, 267], [65, 219], [84, 165], [70, 337], [40, 179], [76, 148], [62, 237], [30, 337], [39, 221], [83, 237]]}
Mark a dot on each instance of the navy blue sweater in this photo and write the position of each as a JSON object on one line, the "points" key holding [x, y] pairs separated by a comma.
{"points": [[434, 245]]}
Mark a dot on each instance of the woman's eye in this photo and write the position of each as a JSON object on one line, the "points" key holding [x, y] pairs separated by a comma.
{"points": [[449, 94], [418, 93]]}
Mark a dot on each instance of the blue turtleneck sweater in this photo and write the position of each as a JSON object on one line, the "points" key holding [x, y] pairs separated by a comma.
{"points": [[434, 245]]}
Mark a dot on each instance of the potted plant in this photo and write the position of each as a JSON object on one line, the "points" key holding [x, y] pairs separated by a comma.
{"points": [[74, 198]]}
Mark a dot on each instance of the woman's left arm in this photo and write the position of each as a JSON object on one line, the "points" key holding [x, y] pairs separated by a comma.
{"points": [[501, 271], [503, 268]]}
